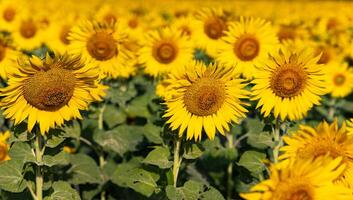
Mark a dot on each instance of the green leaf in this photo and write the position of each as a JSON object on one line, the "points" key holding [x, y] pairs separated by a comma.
{"points": [[11, 178], [140, 180], [63, 191], [62, 158], [55, 138], [260, 140], [254, 125], [113, 116], [122, 94], [138, 108], [120, 139], [252, 160], [159, 157], [153, 133], [84, 170], [72, 131], [20, 134], [194, 151], [193, 190], [22, 152]]}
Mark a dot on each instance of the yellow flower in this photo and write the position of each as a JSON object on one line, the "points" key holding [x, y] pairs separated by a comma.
{"points": [[164, 51], [8, 58], [4, 146], [187, 25], [69, 149], [289, 83], [206, 98], [50, 91], [9, 12], [339, 79], [325, 139], [302, 179], [211, 26], [246, 43], [101, 45]]}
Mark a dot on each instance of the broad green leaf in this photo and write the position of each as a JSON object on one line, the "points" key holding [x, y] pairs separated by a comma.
{"points": [[63, 191], [62, 158], [153, 133], [54, 138], [120, 95], [11, 178], [254, 125], [261, 140], [20, 134], [22, 152], [72, 130], [159, 157], [193, 190], [252, 160], [193, 151], [138, 179], [113, 116], [84, 170], [120, 139]]}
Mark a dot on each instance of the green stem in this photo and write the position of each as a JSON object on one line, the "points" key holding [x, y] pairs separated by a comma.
{"points": [[100, 152], [332, 110], [100, 117], [39, 158], [230, 168], [177, 160], [276, 138]]}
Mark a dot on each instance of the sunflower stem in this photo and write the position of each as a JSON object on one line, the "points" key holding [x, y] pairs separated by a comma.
{"points": [[39, 158], [332, 110], [177, 160], [100, 117], [100, 152], [230, 168], [276, 138]]}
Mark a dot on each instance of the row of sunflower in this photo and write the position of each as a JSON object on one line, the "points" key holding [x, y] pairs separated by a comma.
{"points": [[101, 97]]}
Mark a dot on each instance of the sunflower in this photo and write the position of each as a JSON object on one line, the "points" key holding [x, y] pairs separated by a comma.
{"points": [[325, 139], [165, 50], [289, 83], [4, 146], [204, 98], [100, 44], [350, 126], [9, 11], [246, 43], [50, 91], [211, 26], [187, 25], [8, 57], [28, 33], [302, 179], [340, 80], [291, 32]]}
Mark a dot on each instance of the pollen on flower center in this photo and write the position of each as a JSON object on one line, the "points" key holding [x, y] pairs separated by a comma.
{"points": [[9, 14], [246, 47], [205, 96], [28, 29], [165, 52], [49, 90], [288, 81], [102, 46], [65, 30], [339, 79], [214, 27]]}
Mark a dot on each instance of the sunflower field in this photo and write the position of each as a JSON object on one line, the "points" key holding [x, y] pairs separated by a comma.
{"points": [[176, 100]]}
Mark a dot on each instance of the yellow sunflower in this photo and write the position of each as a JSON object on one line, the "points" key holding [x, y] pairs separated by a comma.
{"points": [[27, 33], [246, 43], [325, 139], [187, 25], [211, 26], [165, 50], [350, 126], [289, 83], [206, 98], [302, 179], [101, 44], [50, 91], [339, 80], [4, 146], [9, 11], [8, 57]]}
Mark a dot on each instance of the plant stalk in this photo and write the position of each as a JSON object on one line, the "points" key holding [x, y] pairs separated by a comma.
{"points": [[177, 160], [230, 168], [276, 137], [39, 158]]}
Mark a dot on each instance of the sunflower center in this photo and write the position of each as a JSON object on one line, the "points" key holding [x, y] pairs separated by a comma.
{"points": [[300, 194], [3, 151], [133, 23], [28, 29], [110, 18], [49, 90], [246, 47], [288, 81], [9, 14], [286, 33], [214, 27], [185, 30], [339, 79], [323, 146], [165, 52], [205, 97], [65, 30], [102, 46], [325, 55]]}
